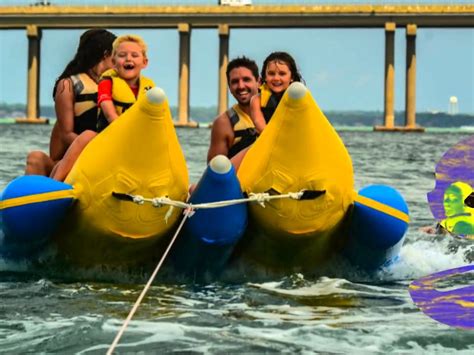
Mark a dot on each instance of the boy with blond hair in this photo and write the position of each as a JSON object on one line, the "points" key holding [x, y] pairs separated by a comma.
{"points": [[120, 87]]}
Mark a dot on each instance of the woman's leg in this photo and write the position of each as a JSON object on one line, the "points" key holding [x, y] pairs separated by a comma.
{"points": [[65, 165], [38, 163]]}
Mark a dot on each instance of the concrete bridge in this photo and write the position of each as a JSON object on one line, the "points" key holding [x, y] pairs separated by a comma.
{"points": [[185, 18]]}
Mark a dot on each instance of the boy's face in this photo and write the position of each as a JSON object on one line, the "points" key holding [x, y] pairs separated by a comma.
{"points": [[129, 61]]}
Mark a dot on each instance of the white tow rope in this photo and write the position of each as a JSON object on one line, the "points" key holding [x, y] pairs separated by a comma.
{"points": [[260, 198], [187, 213], [189, 210]]}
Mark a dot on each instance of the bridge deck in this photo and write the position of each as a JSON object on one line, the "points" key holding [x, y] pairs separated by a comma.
{"points": [[237, 17]]}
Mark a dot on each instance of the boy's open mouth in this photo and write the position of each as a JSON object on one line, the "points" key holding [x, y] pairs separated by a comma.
{"points": [[128, 66]]}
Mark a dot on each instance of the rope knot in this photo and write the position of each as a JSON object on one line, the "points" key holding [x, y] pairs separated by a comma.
{"points": [[260, 198], [296, 195], [190, 211], [160, 201], [139, 200]]}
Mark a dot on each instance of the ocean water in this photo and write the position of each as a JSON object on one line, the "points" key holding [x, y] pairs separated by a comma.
{"points": [[339, 310]]}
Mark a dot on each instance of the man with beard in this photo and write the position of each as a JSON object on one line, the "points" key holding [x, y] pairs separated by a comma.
{"points": [[233, 130]]}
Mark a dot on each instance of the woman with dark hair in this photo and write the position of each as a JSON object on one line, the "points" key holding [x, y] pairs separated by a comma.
{"points": [[75, 99]]}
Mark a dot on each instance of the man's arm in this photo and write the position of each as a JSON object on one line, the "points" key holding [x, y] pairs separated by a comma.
{"points": [[222, 136]]}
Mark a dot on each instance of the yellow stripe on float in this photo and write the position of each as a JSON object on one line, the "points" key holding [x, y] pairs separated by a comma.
{"points": [[44, 197], [382, 208]]}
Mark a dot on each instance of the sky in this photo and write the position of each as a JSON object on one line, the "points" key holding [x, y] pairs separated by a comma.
{"points": [[343, 68]]}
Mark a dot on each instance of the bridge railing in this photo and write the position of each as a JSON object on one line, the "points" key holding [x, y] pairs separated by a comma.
{"points": [[5, 3]]}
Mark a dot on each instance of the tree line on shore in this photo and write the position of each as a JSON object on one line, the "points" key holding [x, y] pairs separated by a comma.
{"points": [[337, 118]]}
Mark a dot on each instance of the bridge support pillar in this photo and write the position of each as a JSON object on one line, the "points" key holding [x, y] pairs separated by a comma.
{"points": [[223, 61], [184, 30], [32, 94], [389, 92], [410, 90], [410, 93]]}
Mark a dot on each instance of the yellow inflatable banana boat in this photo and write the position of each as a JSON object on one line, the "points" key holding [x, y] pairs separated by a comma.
{"points": [[92, 221], [137, 154], [298, 150]]}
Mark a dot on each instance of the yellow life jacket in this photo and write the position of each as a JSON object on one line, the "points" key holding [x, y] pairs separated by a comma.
{"points": [[265, 94], [268, 102], [85, 102], [462, 224], [244, 130], [122, 96]]}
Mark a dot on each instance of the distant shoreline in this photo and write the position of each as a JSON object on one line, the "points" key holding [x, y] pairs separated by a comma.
{"points": [[339, 128], [353, 119]]}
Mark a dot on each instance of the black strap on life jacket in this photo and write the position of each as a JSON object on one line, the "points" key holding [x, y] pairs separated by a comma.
{"points": [[86, 97], [247, 136], [271, 106], [124, 105], [86, 121], [247, 140], [101, 121], [233, 116]]}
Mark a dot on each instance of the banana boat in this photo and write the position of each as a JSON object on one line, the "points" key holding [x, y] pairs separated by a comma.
{"points": [[299, 150], [111, 208], [138, 154]]}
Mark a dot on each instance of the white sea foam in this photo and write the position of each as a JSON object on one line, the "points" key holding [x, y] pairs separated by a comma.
{"points": [[427, 256]]}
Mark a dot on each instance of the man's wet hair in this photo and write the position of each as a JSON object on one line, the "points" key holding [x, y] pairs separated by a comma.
{"points": [[242, 62]]}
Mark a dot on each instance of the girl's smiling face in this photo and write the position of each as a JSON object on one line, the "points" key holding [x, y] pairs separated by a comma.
{"points": [[278, 76], [129, 60]]}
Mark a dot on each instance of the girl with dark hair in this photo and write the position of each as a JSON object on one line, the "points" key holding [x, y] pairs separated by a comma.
{"points": [[279, 70], [75, 99]]}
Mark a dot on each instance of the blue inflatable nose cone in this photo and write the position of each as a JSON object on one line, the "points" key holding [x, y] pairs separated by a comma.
{"points": [[378, 223], [210, 235], [31, 207], [222, 225]]}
